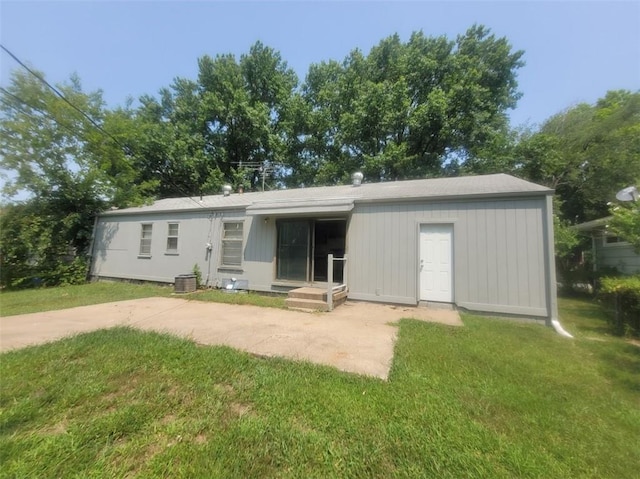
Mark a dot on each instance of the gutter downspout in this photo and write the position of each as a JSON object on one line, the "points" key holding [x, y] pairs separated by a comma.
{"points": [[213, 216], [559, 329], [552, 288]]}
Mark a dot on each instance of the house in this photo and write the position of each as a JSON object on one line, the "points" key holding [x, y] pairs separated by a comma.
{"points": [[484, 243], [609, 250]]}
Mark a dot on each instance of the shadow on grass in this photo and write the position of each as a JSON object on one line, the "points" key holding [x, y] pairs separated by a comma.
{"points": [[596, 324], [621, 364], [586, 315], [619, 360]]}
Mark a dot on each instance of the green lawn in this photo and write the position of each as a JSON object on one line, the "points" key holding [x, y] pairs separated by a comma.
{"points": [[493, 399], [46, 299]]}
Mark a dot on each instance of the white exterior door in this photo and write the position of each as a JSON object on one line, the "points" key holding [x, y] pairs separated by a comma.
{"points": [[436, 265]]}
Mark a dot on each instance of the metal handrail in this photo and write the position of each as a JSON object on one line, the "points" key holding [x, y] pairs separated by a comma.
{"points": [[330, 287]]}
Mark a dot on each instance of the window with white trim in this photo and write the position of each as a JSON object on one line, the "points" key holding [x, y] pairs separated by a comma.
{"points": [[145, 239], [232, 236], [172, 237]]}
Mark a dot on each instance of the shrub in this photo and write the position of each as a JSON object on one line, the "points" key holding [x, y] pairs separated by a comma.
{"points": [[196, 270], [40, 245], [623, 296]]}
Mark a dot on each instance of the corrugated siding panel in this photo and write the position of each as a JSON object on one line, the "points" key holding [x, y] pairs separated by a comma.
{"points": [[521, 239], [537, 288], [461, 253], [498, 252], [492, 255], [502, 271], [511, 258], [484, 267], [260, 253]]}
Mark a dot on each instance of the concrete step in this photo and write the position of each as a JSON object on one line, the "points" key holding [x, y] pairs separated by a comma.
{"points": [[308, 293], [306, 304], [339, 298], [313, 299], [318, 294]]}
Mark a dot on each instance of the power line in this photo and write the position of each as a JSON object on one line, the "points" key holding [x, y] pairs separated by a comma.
{"points": [[125, 149], [30, 115], [58, 93]]}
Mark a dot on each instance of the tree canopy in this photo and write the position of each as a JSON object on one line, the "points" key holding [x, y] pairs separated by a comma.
{"points": [[221, 127], [625, 222], [406, 109], [587, 153], [68, 166], [428, 106]]}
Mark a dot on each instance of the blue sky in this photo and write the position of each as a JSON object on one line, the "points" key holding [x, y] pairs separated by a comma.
{"points": [[574, 51]]}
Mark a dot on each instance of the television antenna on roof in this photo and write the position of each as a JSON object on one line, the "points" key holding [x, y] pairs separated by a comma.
{"points": [[630, 193]]}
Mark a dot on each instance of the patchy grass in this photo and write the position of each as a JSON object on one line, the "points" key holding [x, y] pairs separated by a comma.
{"points": [[493, 399], [47, 299], [255, 299]]}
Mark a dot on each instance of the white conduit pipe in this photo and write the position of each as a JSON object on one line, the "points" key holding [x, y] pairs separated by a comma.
{"points": [[559, 329]]}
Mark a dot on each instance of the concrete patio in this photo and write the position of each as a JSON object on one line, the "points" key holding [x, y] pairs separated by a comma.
{"points": [[356, 337]]}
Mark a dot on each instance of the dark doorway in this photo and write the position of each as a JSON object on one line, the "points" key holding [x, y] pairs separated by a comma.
{"points": [[303, 247], [329, 238]]}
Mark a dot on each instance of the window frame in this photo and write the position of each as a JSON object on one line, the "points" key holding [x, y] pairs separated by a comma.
{"points": [[613, 244], [227, 240], [176, 237], [307, 246], [143, 239]]}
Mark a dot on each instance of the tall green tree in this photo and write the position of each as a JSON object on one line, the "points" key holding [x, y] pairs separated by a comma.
{"points": [[171, 146], [227, 126], [586, 153], [47, 144], [625, 222], [408, 110], [64, 168]]}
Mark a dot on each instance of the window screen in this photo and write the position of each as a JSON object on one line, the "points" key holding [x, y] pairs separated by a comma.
{"points": [[172, 238], [232, 244], [145, 240]]}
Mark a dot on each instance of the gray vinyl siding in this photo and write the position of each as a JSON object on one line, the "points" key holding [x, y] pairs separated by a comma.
{"points": [[499, 257], [619, 256], [500, 262], [117, 239], [260, 252]]}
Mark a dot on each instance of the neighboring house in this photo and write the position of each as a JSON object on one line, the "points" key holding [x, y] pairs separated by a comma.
{"points": [[483, 243], [609, 250]]}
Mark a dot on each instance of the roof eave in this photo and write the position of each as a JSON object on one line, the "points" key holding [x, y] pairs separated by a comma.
{"points": [[593, 224], [203, 208], [473, 196], [358, 200]]}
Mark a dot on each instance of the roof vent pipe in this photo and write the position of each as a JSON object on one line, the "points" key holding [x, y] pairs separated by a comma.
{"points": [[357, 178], [226, 190]]}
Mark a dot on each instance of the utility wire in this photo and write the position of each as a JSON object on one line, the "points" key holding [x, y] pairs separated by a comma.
{"points": [[29, 114], [96, 125], [58, 93], [34, 117]]}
